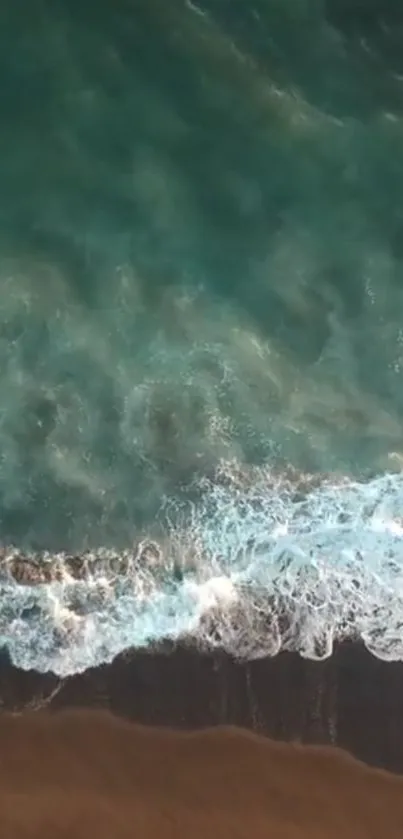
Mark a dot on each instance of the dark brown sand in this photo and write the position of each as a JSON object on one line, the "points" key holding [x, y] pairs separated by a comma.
{"points": [[89, 774]]}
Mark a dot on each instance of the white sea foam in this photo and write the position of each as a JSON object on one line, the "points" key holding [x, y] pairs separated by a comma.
{"points": [[262, 562]]}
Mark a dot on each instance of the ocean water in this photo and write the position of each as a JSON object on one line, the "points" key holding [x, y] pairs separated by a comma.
{"points": [[201, 326]]}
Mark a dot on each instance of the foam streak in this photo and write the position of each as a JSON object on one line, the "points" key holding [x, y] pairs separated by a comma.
{"points": [[261, 563]]}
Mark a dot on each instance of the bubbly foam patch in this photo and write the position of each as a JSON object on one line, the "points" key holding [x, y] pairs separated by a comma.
{"points": [[262, 562]]}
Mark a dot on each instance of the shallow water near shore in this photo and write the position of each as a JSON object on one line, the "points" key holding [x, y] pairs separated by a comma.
{"points": [[200, 274]]}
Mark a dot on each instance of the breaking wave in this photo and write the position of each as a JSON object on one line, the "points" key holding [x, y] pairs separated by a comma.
{"points": [[260, 562]]}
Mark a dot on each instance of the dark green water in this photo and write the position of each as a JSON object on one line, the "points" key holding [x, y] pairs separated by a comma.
{"points": [[201, 250]]}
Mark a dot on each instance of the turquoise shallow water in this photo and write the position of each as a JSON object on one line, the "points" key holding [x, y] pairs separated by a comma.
{"points": [[200, 264]]}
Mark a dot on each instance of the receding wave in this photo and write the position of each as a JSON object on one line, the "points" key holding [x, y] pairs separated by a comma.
{"points": [[259, 562]]}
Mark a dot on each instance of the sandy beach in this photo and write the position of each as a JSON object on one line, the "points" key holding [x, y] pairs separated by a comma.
{"points": [[81, 774], [352, 700]]}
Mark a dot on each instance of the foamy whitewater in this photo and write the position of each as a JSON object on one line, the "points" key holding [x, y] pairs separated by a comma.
{"points": [[261, 563]]}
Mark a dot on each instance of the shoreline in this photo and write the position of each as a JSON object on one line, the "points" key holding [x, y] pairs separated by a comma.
{"points": [[351, 700]]}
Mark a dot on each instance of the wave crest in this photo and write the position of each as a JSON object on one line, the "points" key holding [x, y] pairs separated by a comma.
{"points": [[260, 563]]}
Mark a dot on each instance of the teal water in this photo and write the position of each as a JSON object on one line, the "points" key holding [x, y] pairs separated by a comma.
{"points": [[201, 261]]}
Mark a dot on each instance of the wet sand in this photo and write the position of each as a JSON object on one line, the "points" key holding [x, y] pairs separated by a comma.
{"points": [[352, 700], [89, 774]]}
